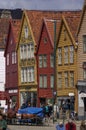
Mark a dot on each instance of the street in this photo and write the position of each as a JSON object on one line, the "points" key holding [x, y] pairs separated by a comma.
{"points": [[27, 127]]}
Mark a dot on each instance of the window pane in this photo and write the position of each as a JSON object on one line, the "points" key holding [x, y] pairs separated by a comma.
{"points": [[59, 56], [84, 74], [26, 31], [51, 60], [40, 61], [40, 81], [84, 43], [71, 79], [32, 51], [22, 75], [71, 58], [45, 81], [59, 80], [65, 55], [21, 52], [44, 61], [52, 81], [32, 74], [66, 79], [7, 59]]}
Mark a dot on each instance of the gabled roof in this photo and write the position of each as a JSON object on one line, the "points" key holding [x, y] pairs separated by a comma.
{"points": [[14, 25], [49, 25], [82, 15], [71, 24], [35, 18]]}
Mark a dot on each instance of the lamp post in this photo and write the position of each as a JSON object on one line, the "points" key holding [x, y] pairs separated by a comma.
{"points": [[54, 55]]}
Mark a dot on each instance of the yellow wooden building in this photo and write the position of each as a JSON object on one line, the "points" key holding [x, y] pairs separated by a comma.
{"points": [[66, 62], [27, 72]]}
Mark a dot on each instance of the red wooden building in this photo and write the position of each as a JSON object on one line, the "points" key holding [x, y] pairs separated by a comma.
{"points": [[11, 85], [45, 61]]}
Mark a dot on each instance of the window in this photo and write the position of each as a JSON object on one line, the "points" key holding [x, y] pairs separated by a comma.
{"points": [[52, 60], [27, 74], [71, 79], [84, 74], [66, 55], [52, 81], [40, 81], [71, 56], [26, 31], [66, 79], [27, 51], [43, 81], [42, 61], [14, 58], [84, 43], [7, 59], [59, 80], [45, 40], [59, 56]]}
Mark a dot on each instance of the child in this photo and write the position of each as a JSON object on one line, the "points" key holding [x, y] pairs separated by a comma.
{"points": [[3, 123]]}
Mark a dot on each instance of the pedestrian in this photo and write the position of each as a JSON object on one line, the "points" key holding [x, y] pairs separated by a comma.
{"points": [[3, 123], [60, 126], [83, 125], [70, 125]]}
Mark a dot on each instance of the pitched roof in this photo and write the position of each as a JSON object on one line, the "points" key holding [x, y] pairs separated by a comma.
{"points": [[4, 25], [16, 28], [82, 14], [14, 25], [71, 24], [36, 17]]}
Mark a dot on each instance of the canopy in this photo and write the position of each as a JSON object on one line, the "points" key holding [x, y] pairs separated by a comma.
{"points": [[31, 110]]}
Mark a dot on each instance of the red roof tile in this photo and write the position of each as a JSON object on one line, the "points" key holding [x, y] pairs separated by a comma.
{"points": [[36, 17]]}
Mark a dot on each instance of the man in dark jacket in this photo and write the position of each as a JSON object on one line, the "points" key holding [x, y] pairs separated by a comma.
{"points": [[3, 123]]}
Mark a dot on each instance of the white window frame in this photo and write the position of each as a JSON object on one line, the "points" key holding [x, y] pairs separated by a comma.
{"points": [[66, 55], [26, 31], [59, 56], [84, 43], [8, 60], [52, 60], [71, 57], [66, 79], [59, 81], [71, 79], [52, 81]]}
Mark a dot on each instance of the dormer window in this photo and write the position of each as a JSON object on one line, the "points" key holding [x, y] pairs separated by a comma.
{"points": [[45, 40], [26, 31]]}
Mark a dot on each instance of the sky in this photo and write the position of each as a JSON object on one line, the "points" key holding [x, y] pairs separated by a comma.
{"points": [[42, 4]]}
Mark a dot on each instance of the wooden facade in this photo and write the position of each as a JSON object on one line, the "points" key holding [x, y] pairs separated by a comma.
{"points": [[81, 60], [66, 62], [26, 64], [11, 85]]}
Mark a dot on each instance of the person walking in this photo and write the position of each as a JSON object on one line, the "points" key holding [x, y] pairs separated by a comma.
{"points": [[83, 125], [70, 125], [3, 123]]}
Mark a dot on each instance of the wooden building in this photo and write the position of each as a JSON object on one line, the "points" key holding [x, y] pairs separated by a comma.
{"points": [[66, 62]]}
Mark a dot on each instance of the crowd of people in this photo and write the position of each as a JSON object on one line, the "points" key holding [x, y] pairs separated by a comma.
{"points": [[70, 125]]}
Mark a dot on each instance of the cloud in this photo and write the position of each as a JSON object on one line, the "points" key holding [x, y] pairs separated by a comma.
{"points": [[42, 4]]}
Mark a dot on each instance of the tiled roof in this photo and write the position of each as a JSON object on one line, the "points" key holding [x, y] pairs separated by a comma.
{"points": [[16, 28], [73, 22], [4, 25], [51, 26], [36, 17]]}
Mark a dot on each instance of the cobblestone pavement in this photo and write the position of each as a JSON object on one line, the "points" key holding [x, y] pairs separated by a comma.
{"points": [[45, 127]]}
